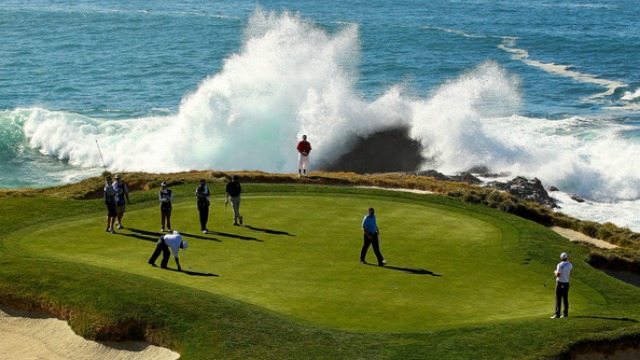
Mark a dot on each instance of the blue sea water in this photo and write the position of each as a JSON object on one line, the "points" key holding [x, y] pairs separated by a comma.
{"points": [[547, 89]]}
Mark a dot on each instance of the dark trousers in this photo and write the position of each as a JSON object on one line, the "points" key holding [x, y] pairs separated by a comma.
{"points": [[203, 210], [562, 297], [376, 247], [161, 247]]}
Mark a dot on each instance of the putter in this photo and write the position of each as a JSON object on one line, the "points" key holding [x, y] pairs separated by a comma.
{"points": [[184, 257], [545, 283], [224, 220]]}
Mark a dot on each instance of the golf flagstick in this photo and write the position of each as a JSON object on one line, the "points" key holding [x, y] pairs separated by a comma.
{"points": [[100, 152]]}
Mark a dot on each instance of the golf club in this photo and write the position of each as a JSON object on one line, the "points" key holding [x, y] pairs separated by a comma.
{"points": [[545, 283], [184, 257], [224, 220]]}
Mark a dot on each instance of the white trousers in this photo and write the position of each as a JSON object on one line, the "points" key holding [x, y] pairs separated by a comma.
{"points": [[303, 161]]}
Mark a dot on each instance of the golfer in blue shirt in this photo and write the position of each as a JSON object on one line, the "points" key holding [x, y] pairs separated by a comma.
{"points": [[370, 228]]}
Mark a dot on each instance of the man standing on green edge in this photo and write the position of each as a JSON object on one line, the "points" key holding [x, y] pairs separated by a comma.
{"points": [[202, 200], [233, 191], [110, 202], [563, 271], [122, 198], [370, 229]]}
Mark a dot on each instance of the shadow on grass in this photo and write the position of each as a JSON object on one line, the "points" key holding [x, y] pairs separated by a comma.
{"points": [[235, 236], [154, 236], [142, 234], [200, 237], [141, 237], [189, 272], [268, 231], [147, 234], [407, 270], [607, 318]]}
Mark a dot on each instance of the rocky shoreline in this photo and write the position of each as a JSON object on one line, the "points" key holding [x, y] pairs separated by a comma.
{"points": [[519, 186]]}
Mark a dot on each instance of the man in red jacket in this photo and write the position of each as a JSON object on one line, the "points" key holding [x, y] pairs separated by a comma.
{"points": [[304, 148]]}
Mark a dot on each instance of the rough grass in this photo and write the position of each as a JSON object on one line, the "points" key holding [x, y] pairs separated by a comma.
{"points": [[105, 300]]}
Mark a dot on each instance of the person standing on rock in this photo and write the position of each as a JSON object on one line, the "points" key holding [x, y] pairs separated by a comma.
{"points": [[304, 148]]}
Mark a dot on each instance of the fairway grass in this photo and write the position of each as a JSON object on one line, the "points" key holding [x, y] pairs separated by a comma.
{"points": [[450, 267]]}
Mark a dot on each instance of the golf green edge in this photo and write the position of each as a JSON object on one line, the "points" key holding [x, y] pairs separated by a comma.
{"points": [[304, 295]]}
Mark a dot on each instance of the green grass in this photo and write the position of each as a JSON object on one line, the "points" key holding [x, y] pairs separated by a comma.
{"points": [[463, 281]]}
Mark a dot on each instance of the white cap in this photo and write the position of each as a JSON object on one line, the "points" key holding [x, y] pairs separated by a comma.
{"points": [[175, 232], [564, 256]]}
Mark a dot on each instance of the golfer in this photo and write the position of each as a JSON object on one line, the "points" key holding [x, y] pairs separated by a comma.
{"points": [[165, 196], [110, 202], [166, 242], [304, 148], [233, 191], [371, 232], [202, 196], [563, 271], [122, 198]]}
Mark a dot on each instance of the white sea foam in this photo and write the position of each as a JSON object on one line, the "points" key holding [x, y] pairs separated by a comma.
{"points": [[631, 96], [454, 31], [508, 45], [291, 78]]}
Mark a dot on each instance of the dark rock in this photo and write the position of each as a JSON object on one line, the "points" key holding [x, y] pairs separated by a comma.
{"points": [[553, 188], [576, 197], [390, 150], [434, 174], [480, 170], [465, 177], [531, 190]]}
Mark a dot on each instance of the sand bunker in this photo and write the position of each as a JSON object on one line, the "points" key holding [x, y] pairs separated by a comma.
{"points": [[25, 335], [573, 235]]}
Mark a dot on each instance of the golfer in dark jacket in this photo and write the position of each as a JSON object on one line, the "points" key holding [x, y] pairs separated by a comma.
{"points": [[233, 191], [370, 229], [110, 202], [202, 196]]}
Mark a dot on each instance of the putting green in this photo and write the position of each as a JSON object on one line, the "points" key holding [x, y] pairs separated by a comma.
{"points": [[298, 255]]}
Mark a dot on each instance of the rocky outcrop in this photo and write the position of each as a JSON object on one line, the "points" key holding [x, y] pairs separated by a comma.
{"points": [[531, 190], [466, 177]]}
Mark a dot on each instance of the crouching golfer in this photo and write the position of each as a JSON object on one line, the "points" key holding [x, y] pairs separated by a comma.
{"points": [[166, 242], [370, 228], [563, 270]]}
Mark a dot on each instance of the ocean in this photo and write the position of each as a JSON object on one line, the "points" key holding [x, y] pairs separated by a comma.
{"points": [[546, 89]]}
